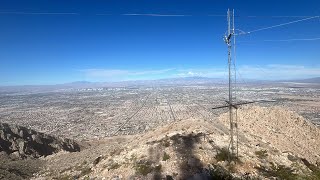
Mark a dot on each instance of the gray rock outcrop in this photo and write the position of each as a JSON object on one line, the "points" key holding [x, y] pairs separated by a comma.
{"points": [[24, 142]]}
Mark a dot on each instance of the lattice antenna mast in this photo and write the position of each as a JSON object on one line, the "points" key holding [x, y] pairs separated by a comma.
{"points": [[232, 107], [235, 84]]}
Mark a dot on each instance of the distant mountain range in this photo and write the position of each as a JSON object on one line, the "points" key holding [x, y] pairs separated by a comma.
{"points": [[310, 80], [137, 83]]}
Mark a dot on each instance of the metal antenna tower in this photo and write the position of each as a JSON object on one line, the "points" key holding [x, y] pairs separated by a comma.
{"points": [[232, 102], [233, 146]]}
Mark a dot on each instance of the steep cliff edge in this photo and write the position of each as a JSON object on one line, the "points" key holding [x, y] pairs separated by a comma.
{"points": [[23, 142]]}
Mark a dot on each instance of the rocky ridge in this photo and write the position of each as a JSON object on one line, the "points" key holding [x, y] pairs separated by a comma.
{"points": [[23, 142]]}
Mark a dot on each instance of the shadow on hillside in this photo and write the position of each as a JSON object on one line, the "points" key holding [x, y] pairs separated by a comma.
{"points": [[189, 165], [184, 146], [154, 155]]}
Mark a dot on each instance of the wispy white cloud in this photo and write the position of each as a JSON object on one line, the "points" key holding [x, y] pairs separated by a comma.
{"points": [[38, 13], [288, 40], [267, 72], [157, 15], [279, 71], [120, 74], [208, 72]]}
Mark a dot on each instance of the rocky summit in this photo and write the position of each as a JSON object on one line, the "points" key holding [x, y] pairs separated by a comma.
{"points": [[23, 142]]}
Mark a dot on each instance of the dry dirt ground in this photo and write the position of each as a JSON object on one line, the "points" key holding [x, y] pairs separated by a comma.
{"points": [[284, 130], [272, 142]]}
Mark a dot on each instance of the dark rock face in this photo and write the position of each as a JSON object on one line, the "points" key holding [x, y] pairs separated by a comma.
{"points": [[25, 142]]}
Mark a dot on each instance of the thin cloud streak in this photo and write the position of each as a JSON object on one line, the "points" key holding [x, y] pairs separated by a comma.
{"points": [[267, 72], [157, 15], [39, 13], [279, 71], [287, 40], [120, 74]]}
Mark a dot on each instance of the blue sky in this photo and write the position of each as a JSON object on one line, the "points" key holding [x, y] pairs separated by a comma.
{"points": [[51, 42]]}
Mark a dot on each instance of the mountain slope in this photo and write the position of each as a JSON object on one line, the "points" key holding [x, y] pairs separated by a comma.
{"points": [[196, 149]]}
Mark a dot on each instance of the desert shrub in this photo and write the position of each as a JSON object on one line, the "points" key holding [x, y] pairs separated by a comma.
{"points": [[293, 158], [166, 143], [65, 177], [219, 172], [165, 156], [281, 172], [133, 158], [143, 169], [85, 171], [18, 169], [314, 175], [114, 166], [146, 167], [65, 170], [315, 172], [225, 155], [231, 167], [262, 154]]}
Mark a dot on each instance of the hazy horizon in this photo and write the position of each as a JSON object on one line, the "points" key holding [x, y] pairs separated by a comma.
{"points": [[225, 80]]}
